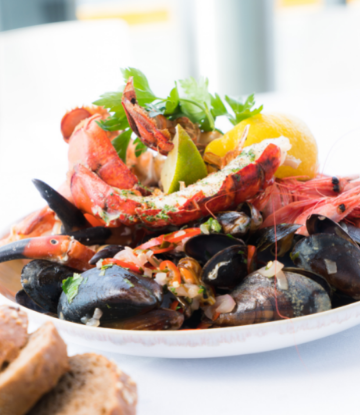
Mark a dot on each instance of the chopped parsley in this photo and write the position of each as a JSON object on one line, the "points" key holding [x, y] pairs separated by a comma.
{"points": [[129, 283], [70, 286], [202, 289], [104, 268], [212, 225]]}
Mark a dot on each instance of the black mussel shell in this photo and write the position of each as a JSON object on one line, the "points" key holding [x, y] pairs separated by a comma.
{"points": [[334, 258], [160, 319], [23, 299], [108, 252], [321, 224], [340, 299], [312, 275], [204, 247], [117, 292], [42, 282], [257, 300], [266, 237], [255, 215], [234, 223], [352, 230], [227, 268]]}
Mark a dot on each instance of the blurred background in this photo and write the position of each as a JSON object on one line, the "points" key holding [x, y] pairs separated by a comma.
{"points": [[299, 56], [243, 46]]}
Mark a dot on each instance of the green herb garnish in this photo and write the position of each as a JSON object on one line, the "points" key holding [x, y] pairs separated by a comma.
{"points": [[70, 286], [211, 225], [189, 98], [104, 268]]}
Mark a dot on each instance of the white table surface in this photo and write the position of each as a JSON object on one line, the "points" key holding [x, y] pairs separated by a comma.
{"points": [[318, 377]]}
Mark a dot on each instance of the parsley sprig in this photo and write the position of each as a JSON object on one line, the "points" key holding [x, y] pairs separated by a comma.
{"points": [[188, 98], [70, 286]]}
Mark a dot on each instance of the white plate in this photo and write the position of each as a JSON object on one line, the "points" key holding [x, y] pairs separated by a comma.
{"points": [[228, 341]]}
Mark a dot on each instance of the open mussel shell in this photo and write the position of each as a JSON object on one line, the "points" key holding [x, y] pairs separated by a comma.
{"points": [[258, 301], [312, 275], [108, 251], [70, 216], [321, 224], [266, 237], [353, 231], [117, 292], [204, 247], [334, 258], [256, 218], [23, 299], [42, 282], [234, 223], [160, 319], [227, 268]]}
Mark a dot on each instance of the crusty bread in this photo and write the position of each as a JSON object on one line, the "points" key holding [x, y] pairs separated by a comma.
{"points": [[34, 372], [13, 333], [94, 386]]}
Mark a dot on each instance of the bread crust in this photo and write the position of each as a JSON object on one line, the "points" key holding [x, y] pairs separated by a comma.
{"points": [[74, 394], [13, 333], [36, 371]]}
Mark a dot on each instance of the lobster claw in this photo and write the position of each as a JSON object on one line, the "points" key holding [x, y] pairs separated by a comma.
{"points": [[144, 126], [56, 248]]}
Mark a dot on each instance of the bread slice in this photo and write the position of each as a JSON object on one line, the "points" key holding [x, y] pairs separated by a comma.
{"points": [[13, 333], [94, 386], [34, 372]]}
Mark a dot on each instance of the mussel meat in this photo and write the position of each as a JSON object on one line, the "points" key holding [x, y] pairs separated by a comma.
{"points": [[234, 223]]}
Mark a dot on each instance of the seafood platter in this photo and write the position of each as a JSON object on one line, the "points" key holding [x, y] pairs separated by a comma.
{"points": [[169, 234]]}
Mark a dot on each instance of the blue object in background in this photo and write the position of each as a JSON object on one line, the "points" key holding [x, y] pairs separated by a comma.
{"points": [[15, 14]]}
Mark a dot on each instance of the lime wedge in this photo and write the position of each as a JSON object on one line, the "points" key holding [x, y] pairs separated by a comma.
{"points": [[183, 164]]}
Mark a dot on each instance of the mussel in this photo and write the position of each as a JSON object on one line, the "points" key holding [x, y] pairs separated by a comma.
{"points": [[241, 221], [204, 247], [321, 224], [108, 251], [226, 268], [282, 237], [160, 319], [117, 292], [258, 301], [23, 299], [334, 258], [42, 282], [234, 223], [281, 234]]}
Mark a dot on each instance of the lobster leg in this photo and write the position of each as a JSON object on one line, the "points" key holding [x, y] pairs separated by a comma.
{"points": [[56, 248]]}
